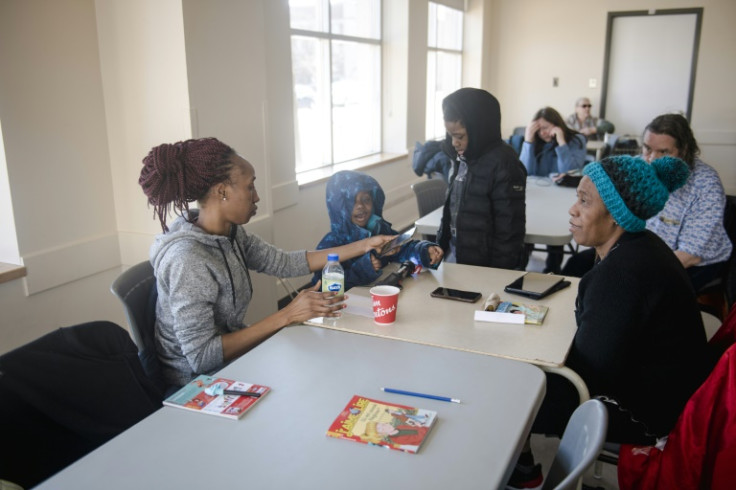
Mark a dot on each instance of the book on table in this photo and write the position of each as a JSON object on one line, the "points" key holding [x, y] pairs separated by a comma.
{"points": [[206, 394], [533, 314], [379, 423]]}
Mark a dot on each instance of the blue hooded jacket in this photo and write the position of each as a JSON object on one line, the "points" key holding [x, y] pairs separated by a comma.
{"points": [[341, 191]]}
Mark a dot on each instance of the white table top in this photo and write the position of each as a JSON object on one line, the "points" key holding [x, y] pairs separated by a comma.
{"points": [[281, 442], [547, 219], [450, 324]]}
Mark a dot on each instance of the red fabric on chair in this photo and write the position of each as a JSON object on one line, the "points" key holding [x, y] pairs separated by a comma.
{"points": [[701, 448]]}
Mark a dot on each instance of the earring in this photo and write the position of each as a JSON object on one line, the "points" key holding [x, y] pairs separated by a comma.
{"points": [[224, 198]]}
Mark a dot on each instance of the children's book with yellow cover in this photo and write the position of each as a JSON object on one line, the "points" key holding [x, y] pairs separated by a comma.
{"points": [[379, 423]]}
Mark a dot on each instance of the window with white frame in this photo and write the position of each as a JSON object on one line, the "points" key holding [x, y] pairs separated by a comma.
{"points": [[336, 68], [444, 63]]}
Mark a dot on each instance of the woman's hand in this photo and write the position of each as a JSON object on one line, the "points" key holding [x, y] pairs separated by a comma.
{"points": [[377, 242], [559, 135], [312, 303], [531, 131], [435, 254]]}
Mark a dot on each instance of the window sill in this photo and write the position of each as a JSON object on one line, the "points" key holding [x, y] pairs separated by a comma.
{"points": [[9, 272], [323, 174]]}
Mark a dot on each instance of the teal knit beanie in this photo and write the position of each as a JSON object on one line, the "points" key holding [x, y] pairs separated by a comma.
{"points": [[633, 190]]}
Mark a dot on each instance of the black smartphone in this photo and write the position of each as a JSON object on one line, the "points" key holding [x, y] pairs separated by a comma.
{"points": [[397, 242], [456, 294]]}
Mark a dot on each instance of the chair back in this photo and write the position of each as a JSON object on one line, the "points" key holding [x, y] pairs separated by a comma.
{"points": [[430, 195], [136, 289], [580, 445], [625, 145]]}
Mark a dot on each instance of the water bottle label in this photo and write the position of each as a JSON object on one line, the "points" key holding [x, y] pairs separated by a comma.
{"points": [[333, 283]]}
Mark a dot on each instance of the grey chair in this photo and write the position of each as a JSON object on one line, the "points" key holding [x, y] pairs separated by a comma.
{"points": [[136, 289], [430, 195], [581, 443]]}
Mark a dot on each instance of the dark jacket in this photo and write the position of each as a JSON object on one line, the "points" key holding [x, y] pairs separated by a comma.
{"points": [[491, 222], [65, 394], [429, 159], [640, 337], [341, 191]]}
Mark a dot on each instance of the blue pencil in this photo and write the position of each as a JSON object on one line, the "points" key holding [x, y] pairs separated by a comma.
{"points": [[421, 395]]}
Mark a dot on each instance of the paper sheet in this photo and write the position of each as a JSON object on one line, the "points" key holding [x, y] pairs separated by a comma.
{"points": [[496, 317], [359, 305]]}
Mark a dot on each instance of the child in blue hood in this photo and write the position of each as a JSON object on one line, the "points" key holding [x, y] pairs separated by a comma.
{"points": [[355, 206]]}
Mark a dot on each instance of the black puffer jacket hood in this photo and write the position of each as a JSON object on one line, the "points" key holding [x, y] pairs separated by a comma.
{"points": [[480, 113]]}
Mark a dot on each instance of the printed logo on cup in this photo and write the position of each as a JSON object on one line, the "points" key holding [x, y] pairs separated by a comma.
{"points": [[379, 311], [385, 299]]}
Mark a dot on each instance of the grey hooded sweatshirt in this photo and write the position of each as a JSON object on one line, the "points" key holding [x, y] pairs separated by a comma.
{"points": [[204, 290]]}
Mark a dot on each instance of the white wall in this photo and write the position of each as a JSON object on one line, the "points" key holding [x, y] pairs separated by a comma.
{"points": [[56, 149], [144, 75]]}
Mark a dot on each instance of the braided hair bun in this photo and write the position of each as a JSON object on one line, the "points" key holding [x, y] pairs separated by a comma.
{"points": [[173, 175]]}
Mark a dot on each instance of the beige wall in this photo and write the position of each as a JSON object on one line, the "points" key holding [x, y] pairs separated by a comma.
{"points": [[88, 87], [532, 41]]}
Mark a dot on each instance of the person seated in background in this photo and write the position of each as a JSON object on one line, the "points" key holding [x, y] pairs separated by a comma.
{"points": [[582, 121], [552, 147], [484, 215], [691, 223], [355, 206], [640, 346], [202, 260]]}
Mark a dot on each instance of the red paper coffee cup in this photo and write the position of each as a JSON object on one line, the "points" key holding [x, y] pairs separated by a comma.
{"points": [[385, 301]]}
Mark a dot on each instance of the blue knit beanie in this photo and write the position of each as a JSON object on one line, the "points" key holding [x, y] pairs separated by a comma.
{"points": [[633, 190]]}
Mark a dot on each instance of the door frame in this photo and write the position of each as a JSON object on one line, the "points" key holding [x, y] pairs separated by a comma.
{"points": [[698, 11]]}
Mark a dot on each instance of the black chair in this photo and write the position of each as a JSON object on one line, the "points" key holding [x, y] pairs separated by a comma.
{"points": [[136, 289], [626, 145], [67, 393]]}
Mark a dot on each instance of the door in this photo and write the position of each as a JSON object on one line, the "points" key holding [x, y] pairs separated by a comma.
{"points": [[650, 64]]}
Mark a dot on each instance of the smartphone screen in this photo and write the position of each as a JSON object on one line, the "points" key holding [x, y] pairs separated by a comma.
{"points": [[397, 242], [456, 294]]}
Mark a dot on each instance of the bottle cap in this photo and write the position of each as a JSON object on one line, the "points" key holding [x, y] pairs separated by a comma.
{"points": [[334, 257]]}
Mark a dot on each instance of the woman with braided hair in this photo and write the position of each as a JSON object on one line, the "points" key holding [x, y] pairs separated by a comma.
{"points": [[201, 260]]}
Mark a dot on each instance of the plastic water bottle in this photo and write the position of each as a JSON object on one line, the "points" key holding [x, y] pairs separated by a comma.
{"points": [[333, 276]]}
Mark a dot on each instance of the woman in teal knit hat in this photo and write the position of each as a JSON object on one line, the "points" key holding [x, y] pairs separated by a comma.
{"points": [[640, 345]]}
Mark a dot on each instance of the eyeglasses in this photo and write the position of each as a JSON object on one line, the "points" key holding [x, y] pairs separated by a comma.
{"points": [[587, 106]]}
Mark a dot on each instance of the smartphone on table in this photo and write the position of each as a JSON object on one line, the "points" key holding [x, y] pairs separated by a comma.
{"points": [[456, 294]]}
